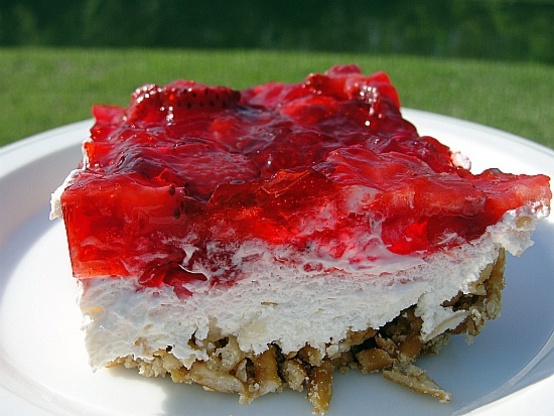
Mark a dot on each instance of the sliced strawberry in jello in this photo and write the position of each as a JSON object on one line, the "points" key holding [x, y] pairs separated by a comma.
{"points": [[152, 103], [174, 185]]}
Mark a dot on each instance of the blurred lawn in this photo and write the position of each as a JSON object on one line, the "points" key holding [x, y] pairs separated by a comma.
{"points": [[47, 88]]}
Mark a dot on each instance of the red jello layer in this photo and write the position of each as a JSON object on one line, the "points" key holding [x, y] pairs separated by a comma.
{"points": [[188, 173]]}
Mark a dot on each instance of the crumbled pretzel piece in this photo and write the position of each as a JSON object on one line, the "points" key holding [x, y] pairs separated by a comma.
{"points": [[294, 374], [320, 387], [374, 359], [215, 380], [414, 378], [266, 373]]}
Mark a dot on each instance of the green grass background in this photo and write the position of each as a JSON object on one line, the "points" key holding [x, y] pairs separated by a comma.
{"points": [[43, 88]]}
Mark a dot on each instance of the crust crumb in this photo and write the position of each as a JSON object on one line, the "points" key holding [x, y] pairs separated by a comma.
{"points": [[414, 378], [320, 387]]}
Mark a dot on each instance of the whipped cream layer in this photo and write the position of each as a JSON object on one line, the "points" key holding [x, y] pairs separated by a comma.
{"points": [[285, 305]]}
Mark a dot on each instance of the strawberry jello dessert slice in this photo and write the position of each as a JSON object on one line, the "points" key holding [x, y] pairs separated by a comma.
{"points": [[259, 240]]}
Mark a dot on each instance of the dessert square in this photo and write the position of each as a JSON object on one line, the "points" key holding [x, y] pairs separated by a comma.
{"points": [[251, 241]]}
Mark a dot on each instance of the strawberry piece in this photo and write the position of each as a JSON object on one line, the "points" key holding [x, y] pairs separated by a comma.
{"points": [[108, 114], [191, 95], [147, 105], [152, 104], [507, 191]]}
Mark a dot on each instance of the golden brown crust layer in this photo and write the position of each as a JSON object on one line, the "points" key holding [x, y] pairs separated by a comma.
{"points": [[392, 349]]}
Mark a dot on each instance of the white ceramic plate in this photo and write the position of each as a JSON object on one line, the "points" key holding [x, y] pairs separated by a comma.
{"points": [[43, 364]]}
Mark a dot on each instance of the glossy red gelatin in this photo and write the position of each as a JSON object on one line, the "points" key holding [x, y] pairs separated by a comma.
{"points": [[174, 184]]}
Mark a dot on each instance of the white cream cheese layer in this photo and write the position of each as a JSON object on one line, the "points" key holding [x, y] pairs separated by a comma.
{"points": [[284, 305]]}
